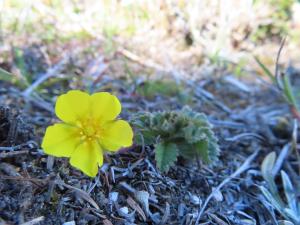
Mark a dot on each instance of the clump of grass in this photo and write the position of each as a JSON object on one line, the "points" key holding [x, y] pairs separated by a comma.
{"points": [[283, 83]]}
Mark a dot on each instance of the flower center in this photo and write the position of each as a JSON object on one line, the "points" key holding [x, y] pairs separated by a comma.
{"points": [[89, 130]]}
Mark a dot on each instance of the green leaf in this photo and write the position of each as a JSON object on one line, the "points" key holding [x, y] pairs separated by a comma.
{"points": [[202, 150], [12, 78], [267, 165], [266, 170], [288, 91], [275, 203], [6, 76], [289, 191], [165, 155], [265, 69], [187, 151]]}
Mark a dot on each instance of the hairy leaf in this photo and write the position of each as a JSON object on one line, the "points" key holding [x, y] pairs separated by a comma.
{"points": [[165, 155], [189, 130]]}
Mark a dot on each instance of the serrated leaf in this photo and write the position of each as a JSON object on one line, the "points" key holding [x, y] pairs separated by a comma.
{"points": [[213, 151], [202, 150], [165, 155], [146, 138]]}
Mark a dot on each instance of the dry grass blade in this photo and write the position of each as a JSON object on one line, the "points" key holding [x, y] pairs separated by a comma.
{"points": [[166, 214], [136, 207], [107, 222], [80, 192]]}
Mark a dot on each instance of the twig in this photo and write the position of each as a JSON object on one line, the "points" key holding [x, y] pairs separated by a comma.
{"points": [[226, 124], [51, 72], [127, 187], [18, 177], [166, 214], [277, 74], [17, 147], [11, 154], [240, 170], [245, 135], [34, 221]]}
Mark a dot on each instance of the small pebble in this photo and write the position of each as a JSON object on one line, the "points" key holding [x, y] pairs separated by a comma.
{"points": [[195, 200], [113, 196], [124, 210]]}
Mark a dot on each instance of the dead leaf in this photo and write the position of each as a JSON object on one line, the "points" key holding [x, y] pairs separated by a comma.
{"points": [[136, 207]]}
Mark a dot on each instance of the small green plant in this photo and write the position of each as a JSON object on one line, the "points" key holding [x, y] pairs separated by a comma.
{"points": [[239, 68], [279, 19], [288, 208], [19, 61], [151, 88], [283, 82], [176, 133], [167, 88], [12, 78]]}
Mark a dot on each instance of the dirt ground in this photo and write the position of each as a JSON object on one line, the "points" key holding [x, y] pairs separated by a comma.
{"points": [[249, 118]]}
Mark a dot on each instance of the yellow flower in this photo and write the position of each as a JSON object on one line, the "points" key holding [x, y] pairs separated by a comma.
{"points": [[88, 129]]}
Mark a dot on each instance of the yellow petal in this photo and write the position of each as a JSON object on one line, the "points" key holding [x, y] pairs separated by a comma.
{"points": [[104, 106], [73, 106], [60, 140], [115, 135], [87, 157]]}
